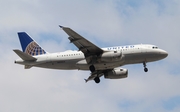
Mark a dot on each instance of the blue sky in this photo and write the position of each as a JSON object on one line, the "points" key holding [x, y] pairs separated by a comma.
{"points": [[105, 23]]}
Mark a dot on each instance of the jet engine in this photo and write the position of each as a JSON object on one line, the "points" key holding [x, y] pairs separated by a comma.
{"points": [[111, 56], [116, 74]]}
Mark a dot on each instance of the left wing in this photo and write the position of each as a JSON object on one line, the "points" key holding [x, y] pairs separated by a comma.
{"points": [[84, 45], [95, 74]]}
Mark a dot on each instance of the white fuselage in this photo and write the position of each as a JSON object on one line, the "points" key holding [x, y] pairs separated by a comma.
{"points": [[131, 54]]}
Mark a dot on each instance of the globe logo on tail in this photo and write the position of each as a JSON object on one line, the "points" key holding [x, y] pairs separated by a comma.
{"points": [[34, 49]]}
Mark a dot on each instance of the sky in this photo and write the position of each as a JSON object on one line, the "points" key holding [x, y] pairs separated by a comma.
{"points": [[105, 23]]}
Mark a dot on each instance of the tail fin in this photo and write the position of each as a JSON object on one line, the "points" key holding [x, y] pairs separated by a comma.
{"points": [[29, 46]]}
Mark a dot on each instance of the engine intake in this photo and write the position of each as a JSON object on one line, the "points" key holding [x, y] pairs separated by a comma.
{"points": [[116, 74]]}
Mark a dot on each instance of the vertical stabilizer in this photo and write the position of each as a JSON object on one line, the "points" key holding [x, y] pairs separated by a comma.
{"points": [[29, 46]]}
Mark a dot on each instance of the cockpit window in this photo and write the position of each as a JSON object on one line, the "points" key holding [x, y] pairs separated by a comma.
{"points": [[155, 47]]}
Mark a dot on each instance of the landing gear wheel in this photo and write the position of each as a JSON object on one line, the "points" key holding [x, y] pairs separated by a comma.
{"points": [[146, 69], [92, 68], [97, 80]]}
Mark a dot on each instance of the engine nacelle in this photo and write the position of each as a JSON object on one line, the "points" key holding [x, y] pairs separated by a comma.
{"points": [[116, 74], [111, 56]]}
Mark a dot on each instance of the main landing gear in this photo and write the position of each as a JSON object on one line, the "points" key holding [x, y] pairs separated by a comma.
{"points": [[93, 69], [97, 80], [145, 69]]}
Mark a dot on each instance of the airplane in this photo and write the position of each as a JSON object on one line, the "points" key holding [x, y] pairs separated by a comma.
{"points": [[100, 61]]}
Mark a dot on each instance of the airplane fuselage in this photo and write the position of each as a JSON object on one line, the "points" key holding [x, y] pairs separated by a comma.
{"points": [[67, 60], [99, 61]]}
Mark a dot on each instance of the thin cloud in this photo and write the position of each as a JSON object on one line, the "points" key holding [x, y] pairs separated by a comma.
{"points": [[114, 23]]}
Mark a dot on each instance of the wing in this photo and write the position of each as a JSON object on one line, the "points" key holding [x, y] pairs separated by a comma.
{"points": [[84, 45], [95, 74]]}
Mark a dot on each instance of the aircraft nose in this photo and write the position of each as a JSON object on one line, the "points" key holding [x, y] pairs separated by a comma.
{"points": [[163, 53]]}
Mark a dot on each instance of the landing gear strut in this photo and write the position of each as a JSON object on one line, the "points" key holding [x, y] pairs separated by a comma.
{"points": [[145, 69], [92, 68], [97, 80]]}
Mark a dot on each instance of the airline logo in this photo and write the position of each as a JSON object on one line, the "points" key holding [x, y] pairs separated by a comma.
{"points": [[34, 49]]}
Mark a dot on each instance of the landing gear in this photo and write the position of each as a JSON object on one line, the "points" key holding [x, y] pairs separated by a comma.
{"points": [[92, 68], [145, 69], [97, 80]]}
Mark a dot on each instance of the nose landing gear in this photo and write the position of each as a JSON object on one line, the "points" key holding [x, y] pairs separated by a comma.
{"points": [[145, 69]]}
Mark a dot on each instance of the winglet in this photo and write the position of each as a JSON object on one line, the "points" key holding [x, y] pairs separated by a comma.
{"points": [[61, 26], [86, 80]]}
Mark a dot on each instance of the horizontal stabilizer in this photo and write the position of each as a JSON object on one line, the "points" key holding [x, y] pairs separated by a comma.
{"points": [[27, 66], [24, 56]]}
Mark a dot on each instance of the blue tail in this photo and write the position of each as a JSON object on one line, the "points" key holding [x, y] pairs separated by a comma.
{"points": [[29, 46]]}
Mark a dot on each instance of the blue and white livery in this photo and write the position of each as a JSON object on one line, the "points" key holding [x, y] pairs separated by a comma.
{"points": [[100, 61], [29, 46]]}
